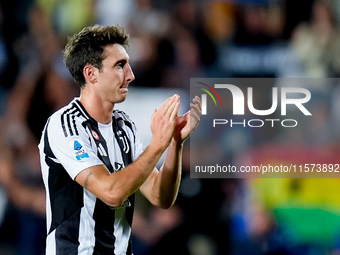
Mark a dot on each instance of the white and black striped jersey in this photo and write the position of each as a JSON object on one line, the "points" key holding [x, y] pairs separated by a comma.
{"points": [[77, 221]]}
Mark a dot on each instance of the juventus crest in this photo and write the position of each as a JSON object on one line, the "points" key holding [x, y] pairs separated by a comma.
{"points": [[123, 138]]}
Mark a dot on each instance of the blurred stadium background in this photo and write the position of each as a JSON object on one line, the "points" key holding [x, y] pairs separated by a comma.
{"points": [[171, 42]]}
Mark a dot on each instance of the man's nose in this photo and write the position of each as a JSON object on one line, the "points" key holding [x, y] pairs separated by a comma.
{"points": [[129, 75]]}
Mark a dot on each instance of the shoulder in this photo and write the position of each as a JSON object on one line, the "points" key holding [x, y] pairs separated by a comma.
{"points": [[68, 119]]}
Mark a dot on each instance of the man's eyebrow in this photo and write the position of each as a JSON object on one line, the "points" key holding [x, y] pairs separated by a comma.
{"points": [[123, 60]]}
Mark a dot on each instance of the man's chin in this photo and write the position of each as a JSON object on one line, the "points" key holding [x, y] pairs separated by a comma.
{"points": [[122, 99]]}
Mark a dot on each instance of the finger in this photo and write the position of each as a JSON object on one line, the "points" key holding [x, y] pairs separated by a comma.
{"points": [[164, 108], [194, 119], [172, 107], [196, 108], [153, 114], [195, 113], [174, 113], [197, 101], [165, 105]]}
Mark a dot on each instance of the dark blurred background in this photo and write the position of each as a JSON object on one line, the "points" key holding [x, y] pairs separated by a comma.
{"points": [[171, 42]]}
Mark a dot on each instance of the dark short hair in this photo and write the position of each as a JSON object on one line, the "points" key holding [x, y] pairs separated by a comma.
{"points": [[87, 48]]}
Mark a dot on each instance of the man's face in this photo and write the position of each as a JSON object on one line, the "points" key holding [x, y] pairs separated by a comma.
{"points": [[116, 74]]}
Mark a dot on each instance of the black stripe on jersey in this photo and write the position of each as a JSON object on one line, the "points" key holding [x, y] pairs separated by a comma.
{"points": [[66, 201], [120, 117], [126, 122], [74, 124], [63, 123], [67, 236], [91, 125], [81, 109], [70, 124], [104, 217], [66, 114], [127, 158], [123, 141], [129, 216]]}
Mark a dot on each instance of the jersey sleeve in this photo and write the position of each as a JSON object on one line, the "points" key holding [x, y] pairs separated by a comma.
{"points": [[75, 151]]}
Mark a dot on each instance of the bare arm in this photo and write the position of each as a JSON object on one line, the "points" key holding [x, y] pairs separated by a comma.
{"points": [[113, 189], [161, 188]]}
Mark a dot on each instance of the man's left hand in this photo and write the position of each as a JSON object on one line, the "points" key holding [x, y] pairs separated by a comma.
{"points": [[185, 124]]}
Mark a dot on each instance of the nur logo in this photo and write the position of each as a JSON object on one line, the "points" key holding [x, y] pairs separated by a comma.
{"points": [[239, 99], [204, 97], [301, 96]]}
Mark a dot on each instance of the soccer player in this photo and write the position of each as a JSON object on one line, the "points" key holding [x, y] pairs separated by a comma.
{"points": [[91, 155]]}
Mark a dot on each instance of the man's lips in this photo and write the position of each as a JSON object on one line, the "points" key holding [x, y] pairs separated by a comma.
{"points": [[123, 89]]}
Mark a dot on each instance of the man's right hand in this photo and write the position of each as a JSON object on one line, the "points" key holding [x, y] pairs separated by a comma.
{"points": [[163, 122]]}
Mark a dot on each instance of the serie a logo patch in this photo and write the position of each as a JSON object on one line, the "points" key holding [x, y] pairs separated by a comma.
{"points": [[79, 150]]}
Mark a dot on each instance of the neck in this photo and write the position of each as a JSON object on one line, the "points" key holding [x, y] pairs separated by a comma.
{"points": [[98, 109]]}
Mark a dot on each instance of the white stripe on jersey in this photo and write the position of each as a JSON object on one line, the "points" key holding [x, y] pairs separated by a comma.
{"points": [[44, 171], [86, 228], [122, 231], [50, 244]]}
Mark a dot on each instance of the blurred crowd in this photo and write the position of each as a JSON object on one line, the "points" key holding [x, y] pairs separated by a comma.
{"points": [[171, 42]]}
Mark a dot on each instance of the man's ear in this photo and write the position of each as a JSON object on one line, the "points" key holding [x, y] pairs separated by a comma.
{"points": [[90, 73]]}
